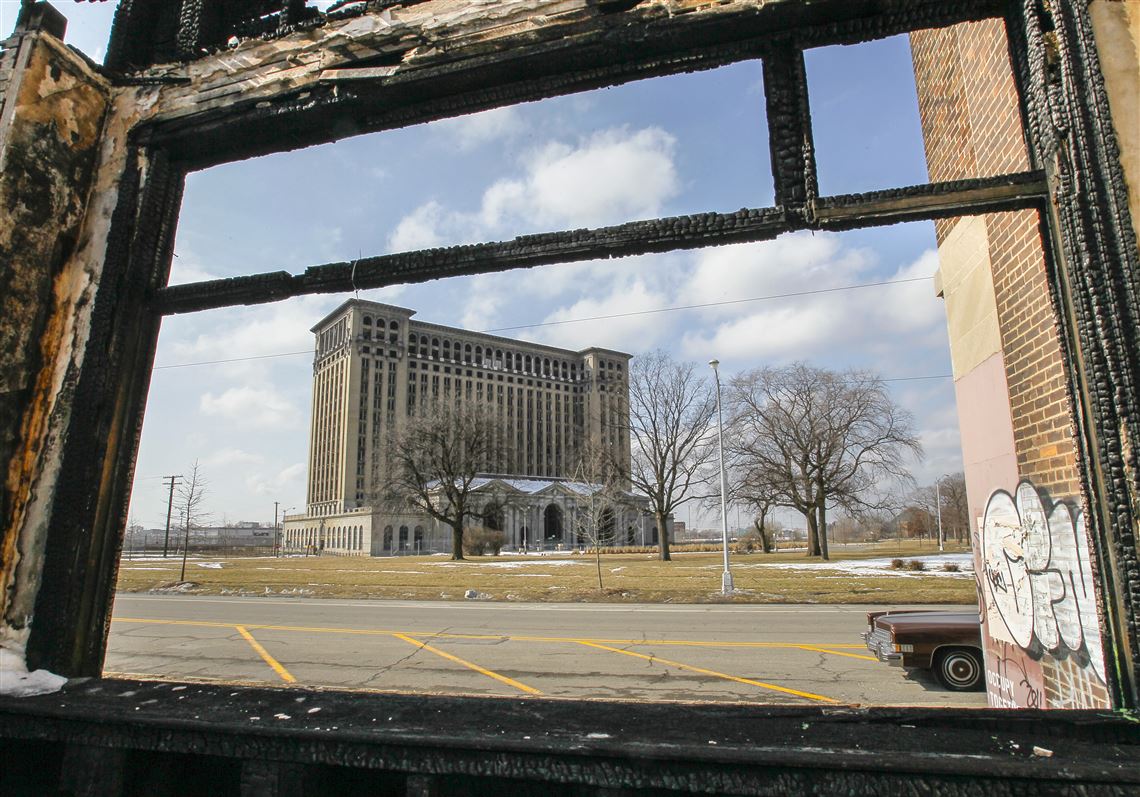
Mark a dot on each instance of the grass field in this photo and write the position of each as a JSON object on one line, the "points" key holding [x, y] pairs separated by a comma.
{"points": [[627, 578]]}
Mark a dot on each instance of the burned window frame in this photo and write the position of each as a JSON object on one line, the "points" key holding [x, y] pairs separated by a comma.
{"points": [[1089, 244]]}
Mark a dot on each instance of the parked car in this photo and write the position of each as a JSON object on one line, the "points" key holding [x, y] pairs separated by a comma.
{"points": [[948, 643]]}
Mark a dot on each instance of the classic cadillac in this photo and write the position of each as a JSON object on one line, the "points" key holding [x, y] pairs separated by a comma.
{"points": [[948, 643]]}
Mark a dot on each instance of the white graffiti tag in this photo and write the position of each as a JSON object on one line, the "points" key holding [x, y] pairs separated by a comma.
{"points": [[1038, 578]]}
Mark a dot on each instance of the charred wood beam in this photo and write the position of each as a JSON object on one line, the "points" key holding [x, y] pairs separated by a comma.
{"points": [[492, 742], [789, 130], [930, 201], [635, 238], [548, 61]]}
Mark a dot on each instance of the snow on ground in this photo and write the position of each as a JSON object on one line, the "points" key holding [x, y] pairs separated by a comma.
{"points": [[882, 567], [211, 565], [16, 681]]}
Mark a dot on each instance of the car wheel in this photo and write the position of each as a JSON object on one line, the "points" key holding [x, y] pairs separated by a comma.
{"points": [[959, 669]]}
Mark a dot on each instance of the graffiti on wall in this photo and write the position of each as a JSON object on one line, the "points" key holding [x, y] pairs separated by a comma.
{"points": [[1038, 603]]}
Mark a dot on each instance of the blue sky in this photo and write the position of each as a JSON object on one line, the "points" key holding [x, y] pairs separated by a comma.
{"points": [[688, 143]]}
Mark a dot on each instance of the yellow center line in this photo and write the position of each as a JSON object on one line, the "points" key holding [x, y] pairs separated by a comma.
{"points": [[703, 671], [513, 638], [837, 653], [530, 690], [272, 662]]}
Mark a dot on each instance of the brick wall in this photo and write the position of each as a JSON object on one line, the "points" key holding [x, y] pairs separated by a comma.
{"points": [[972, 128]]}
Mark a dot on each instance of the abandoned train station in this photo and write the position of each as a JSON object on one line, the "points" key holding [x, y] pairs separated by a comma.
{"points": [[1032, 137]]}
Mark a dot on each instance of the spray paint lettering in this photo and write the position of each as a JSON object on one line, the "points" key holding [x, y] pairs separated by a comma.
{"points": [[1036, 576]]}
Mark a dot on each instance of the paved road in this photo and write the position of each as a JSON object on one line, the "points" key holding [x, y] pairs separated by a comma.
{"points": [[768, 654]]}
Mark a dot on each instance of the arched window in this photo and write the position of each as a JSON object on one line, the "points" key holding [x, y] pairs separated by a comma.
{"points": [[413, 341], [403, 538], [493, 517], [526, 365], [387, 538], [552, 524], [478, 355], [367, 320], [435, 348], [393, 332], [418, 539], [447, 350]]}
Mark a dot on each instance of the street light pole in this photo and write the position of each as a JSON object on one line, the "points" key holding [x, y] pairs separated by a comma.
{"points": [[938, 506], [726, 579]]}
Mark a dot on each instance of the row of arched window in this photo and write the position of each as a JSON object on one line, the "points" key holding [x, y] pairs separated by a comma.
{"points": [[341, 538], [378, 326]]}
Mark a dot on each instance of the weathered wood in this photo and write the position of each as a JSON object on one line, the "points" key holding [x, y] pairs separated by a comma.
{"points": [[660, 235], [698, 748]]}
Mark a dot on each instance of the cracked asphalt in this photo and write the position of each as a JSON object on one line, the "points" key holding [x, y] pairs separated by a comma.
{"points": [[790, 654]]}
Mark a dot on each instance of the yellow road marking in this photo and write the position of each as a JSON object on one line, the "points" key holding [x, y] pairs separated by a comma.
{"points": [[518, 638], [703, 671], [530, 690], [272, 662], [838, 653]]}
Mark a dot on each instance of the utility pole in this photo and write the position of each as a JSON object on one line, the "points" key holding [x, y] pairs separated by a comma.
{"points": [[938, 504], [169, 507]]}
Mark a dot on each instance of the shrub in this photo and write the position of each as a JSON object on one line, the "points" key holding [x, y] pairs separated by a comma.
{"points": [[951, 567], [916, 564], [477, 542], [897, 564]]}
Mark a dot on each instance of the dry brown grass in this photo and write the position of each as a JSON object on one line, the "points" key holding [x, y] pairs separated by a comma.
{"points": [[632, 578]]}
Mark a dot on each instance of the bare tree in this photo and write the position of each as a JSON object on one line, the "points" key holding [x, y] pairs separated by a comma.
{"points": [[191, 499], [945, 498], [434, 460], [821, 439], [601, 497], [671, 410], [955, 510]]}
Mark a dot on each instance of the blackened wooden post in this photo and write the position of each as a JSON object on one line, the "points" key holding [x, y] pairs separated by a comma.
{"points": [[789, 132]]}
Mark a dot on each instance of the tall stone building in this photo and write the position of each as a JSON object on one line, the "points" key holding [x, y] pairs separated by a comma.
{"points": [[374, 367]]}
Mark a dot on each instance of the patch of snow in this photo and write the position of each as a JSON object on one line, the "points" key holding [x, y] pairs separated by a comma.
{"points": [[597, 736], [162, 569], [211, 565], [16, 681], [882, 567]]}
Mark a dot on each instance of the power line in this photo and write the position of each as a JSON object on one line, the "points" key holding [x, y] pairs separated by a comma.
{"points": [[791, 295], [232, 360], [677, 308]]}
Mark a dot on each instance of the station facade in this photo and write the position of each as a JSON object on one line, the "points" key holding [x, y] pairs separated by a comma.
{"points": [[374, 366]]}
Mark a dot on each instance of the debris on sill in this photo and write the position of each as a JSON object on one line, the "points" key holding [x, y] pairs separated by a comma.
{"points": [[16, 681]]}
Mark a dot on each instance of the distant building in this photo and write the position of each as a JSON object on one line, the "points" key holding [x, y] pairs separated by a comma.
{"points": [[242, 534], [374, 366]]}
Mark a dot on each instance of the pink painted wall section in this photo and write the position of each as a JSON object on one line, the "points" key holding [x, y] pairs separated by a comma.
{"points": [[986, 429]]}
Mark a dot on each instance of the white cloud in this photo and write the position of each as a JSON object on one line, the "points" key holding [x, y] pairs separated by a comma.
{"points": [[420, 229], [787, 264], [610, 177], [613, 176], [636, 333], [253, 406], [469, 132], [885, 323], [287, 481]]}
